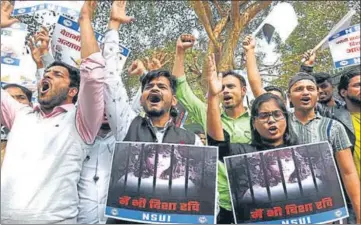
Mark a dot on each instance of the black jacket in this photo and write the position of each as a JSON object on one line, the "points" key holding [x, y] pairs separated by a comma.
{"points": [[141, 130]]}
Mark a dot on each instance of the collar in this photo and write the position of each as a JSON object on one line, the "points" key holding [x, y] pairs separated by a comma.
{"points": [[317, 116], [168, 124], [61, 108], [245, 114]]}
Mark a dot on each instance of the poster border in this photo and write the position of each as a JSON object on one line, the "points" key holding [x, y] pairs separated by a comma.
{"points": [[276, 149], [216, 205]]}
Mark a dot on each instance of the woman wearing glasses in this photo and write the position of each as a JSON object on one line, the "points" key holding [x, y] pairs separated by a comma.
{"points": [[269, 129]]}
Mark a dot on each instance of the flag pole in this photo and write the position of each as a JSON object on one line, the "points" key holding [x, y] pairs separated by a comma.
{"points": [[338, 25]]}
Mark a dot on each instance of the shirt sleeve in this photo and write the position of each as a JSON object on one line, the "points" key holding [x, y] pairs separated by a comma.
{"points": [[90, 105], [339, 139], [117, 106], [46, 59], [136, 106], [195, 107], [9, 108]]}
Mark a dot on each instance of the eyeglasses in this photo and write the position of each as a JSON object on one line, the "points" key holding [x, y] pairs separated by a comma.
{"points": [[264, 116]]}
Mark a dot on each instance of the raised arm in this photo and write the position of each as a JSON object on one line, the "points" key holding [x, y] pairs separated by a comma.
{"points": [[90, 109], [9, 106], [40, 53], [195, 107], [214, 123], [254, 78], [117, 106]]}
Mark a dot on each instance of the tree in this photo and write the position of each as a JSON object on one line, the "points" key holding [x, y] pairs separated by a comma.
{"points": [[225, 26]]}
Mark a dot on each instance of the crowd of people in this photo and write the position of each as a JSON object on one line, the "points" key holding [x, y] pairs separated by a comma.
{"points": [[57, 154]]}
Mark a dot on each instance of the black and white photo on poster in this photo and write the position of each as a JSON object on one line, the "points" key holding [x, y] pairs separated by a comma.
{"points": [[298, 184], [162, 183]]}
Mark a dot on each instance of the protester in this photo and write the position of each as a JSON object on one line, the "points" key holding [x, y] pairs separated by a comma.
{"points": [[235, 118], [269, 126], [349, 89], [277, 91], [325, 89], [53, 135], [22, 95], [198, 130], [158, 100], [309, 126]]}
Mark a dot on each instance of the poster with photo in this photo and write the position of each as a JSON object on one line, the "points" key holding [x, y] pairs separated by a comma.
{"points": [[12, 46], [292, 185], [65, 43], [163, 183]]}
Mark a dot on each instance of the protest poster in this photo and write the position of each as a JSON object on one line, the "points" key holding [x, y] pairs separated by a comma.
{"points": [[71, 8], [163, 183], [12, 46], [345, 47], [181, 116], [292, 185], [66, 43]]}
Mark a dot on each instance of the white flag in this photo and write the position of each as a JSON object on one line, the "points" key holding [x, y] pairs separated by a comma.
{"points": [[282, 19], [341, 25]]}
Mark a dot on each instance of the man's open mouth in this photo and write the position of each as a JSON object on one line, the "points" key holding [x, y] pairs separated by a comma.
{"points": [[227, 98], [154, 98], [305, 100], [45, 87]]}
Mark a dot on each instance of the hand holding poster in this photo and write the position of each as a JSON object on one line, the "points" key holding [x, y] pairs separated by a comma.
{"points": [[12, 45], [292, 185], [162, 183], [345, 47], [66, 43], [71, 8]]}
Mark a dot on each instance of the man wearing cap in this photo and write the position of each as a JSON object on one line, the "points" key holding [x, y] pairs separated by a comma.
{"points": [[309, 125]]}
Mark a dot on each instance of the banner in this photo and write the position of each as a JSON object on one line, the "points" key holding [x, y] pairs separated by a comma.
{"points": [[341, 25], [293, 185], [66, 43], [163, 183], [71, 8], [345, 47], [12, 46]]}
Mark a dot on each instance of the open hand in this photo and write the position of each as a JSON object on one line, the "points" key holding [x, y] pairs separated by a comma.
{"points": [[158, 61], [215, 85], [6, 10], [118, 13]]}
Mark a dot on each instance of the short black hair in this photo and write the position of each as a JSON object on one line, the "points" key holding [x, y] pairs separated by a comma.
{"points": [[346, 76], [275, 88], [322, 77], [74, 76], [160, 73], [233, 73], [26, 91]]}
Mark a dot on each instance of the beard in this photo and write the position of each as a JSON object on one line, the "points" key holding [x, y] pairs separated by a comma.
{"points": [[55, 100], [355, 100], [154, 113], [326, 100]]}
